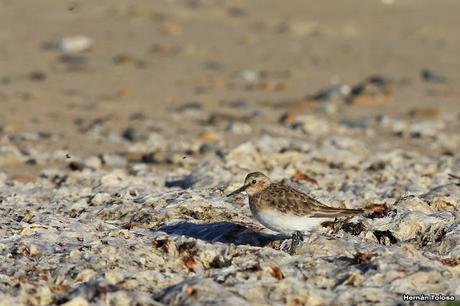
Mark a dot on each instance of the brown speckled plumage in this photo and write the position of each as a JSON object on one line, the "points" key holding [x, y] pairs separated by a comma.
{"points": [[287, 200], [283, 209], [281, 199]]}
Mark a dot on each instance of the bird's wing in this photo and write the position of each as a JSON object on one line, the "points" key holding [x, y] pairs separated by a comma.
{"points": [[306, 205]]}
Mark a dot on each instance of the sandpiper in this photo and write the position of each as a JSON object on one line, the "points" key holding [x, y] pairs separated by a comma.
{"points": [[283, 209]]}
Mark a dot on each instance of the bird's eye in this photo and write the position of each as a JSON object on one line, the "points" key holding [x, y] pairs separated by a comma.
{"points": [[253, 181]]}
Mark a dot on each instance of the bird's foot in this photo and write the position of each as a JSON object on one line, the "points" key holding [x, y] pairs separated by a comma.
{"points": [[296, 238]]}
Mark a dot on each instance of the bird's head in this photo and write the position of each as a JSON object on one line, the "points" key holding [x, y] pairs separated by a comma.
{"points": [[254, 183]]}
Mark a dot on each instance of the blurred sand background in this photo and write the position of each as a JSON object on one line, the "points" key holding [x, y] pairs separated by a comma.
{"points": [[151, 57]]}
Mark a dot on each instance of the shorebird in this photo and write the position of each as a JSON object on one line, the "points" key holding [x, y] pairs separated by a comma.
{"points": [[286, 210]]}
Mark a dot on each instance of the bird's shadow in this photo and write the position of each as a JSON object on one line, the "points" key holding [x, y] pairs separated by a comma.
{"points": [[225, 232]]}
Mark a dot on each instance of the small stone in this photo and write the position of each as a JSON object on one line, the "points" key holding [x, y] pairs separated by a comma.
{"points": [[113, 160], [378, 80], [190, 106], [73, 59], [432, 76], [288, 119], [236, 11], [37, 76], [127, 59], [427, 112], [329, 108], [74, 44], [149, 158], [112, 179], [100, 199], [34, 250], [374, 90], [239, 128], [249, 75], [299, 28], [330, 93], [239, 103], [85, 275], [134, 156], [209, 137], [354, 124], [426, 128], [25, 179], [93, 162], [31, 161], [76, 166], [134, 135], [206, 148]]}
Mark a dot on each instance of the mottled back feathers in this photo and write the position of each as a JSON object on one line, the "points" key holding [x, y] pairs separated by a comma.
{"points": [[287, 200]]}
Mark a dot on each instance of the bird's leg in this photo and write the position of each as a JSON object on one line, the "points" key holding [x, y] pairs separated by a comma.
{"points": [[296, 237]]}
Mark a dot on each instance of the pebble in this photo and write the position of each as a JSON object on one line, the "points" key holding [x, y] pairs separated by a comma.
{"points": [[74, 59], [300, 28], [426, 112], [190, 106], [328, 93], [354, 124], [127, 59], [426, 128], [93, 162], [329, 108], [235, 11], [76, 166], [113, 160], [431, 76], [101, 198], [38, 76], [75, 44], [25, 179], [112, 179], [240, 103], [134, 135], [249, 75], [238, 128], [209, 137]]}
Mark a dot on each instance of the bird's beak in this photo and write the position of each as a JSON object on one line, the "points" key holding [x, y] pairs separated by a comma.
{"points": [[241, 189]]}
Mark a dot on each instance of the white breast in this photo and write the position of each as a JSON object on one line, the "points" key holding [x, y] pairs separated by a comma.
{"points": [[287, 224]]}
